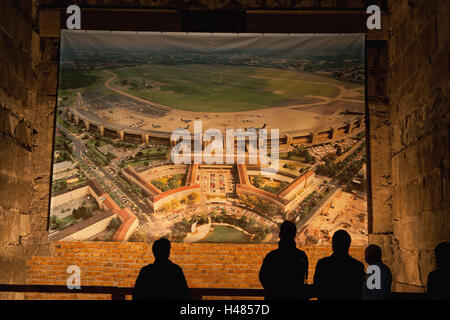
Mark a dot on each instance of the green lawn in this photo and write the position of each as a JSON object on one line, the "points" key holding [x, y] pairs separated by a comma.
{"points": [[69, 95], [66, 221], [207, 88], [284, 156], [116, 200], [101, 142], [223, 88], [75, 83], [226, 234], [67, 125], [169, 182], [154, 152], [99, 158], [133, 163]]}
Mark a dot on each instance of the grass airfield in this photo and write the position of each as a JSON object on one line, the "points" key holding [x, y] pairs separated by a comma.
{"points": [[220, 88], [222, 96]]}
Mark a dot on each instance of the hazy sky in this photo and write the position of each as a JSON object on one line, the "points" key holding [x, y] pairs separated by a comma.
{"points": [[284, 45]]}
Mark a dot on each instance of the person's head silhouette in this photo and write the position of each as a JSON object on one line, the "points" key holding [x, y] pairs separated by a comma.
{"points": [[442, 252], [161, 249], [372, 254], [341, 242], [288, 230]]}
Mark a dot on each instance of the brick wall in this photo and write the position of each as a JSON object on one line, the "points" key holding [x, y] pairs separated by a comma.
{"points": [[118, 264]]}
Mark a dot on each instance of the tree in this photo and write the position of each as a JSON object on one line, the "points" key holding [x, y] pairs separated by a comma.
{"points": [[174, 203], [270, 208], [81, 212], [64, 155], [54, 222], [63, 185], [88, 215], [309, 158], [158, 184], [193, 197], [173, 183], [363, 157], [110, 156], [258, 180], [257, 238], [196, 197], [114, 224], [243, 221], [76, 214], [203, 220], [167, 206]]}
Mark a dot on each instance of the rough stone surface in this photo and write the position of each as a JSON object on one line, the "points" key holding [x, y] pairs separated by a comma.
{"points": [[25, 141], [411, 174]]}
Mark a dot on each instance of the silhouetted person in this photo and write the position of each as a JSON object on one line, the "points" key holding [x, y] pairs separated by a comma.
{"points": [[339, 276], [438, 285], [373, 257], [285, 270], [163, 279]]}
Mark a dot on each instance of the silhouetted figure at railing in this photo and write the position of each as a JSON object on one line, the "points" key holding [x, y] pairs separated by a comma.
{"points": [[284, 271], [163, 279], [438, 285], [373, 257], [339, 276]]}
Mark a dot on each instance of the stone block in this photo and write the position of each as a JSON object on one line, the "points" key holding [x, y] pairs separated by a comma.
{"points": [[410, 272], [49, 23], [442, 25]]}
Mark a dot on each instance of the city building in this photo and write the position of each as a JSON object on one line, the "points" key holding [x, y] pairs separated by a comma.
{"points": [[98, 223]]}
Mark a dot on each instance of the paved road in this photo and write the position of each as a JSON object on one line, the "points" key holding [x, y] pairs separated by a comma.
{"points": [[101, 174], [334, 186], [313, 212]]}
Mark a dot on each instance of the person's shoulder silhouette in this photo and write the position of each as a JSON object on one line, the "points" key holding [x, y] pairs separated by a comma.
{"points": [[373, 257], [284, 270], [339, 276], [438, 284], [163, 279]]}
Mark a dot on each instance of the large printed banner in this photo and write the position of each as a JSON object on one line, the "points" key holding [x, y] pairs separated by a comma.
{"points": [[202, 137]]}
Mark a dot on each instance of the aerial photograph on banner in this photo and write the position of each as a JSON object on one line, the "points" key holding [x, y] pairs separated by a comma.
{"points": [[123, 95]]}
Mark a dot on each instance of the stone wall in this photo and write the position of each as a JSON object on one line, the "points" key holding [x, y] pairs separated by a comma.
{"points": [[27, 99], [418, 100]]}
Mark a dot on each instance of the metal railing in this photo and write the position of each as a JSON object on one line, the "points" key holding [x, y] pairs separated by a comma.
{"points": [[120, 293]]}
